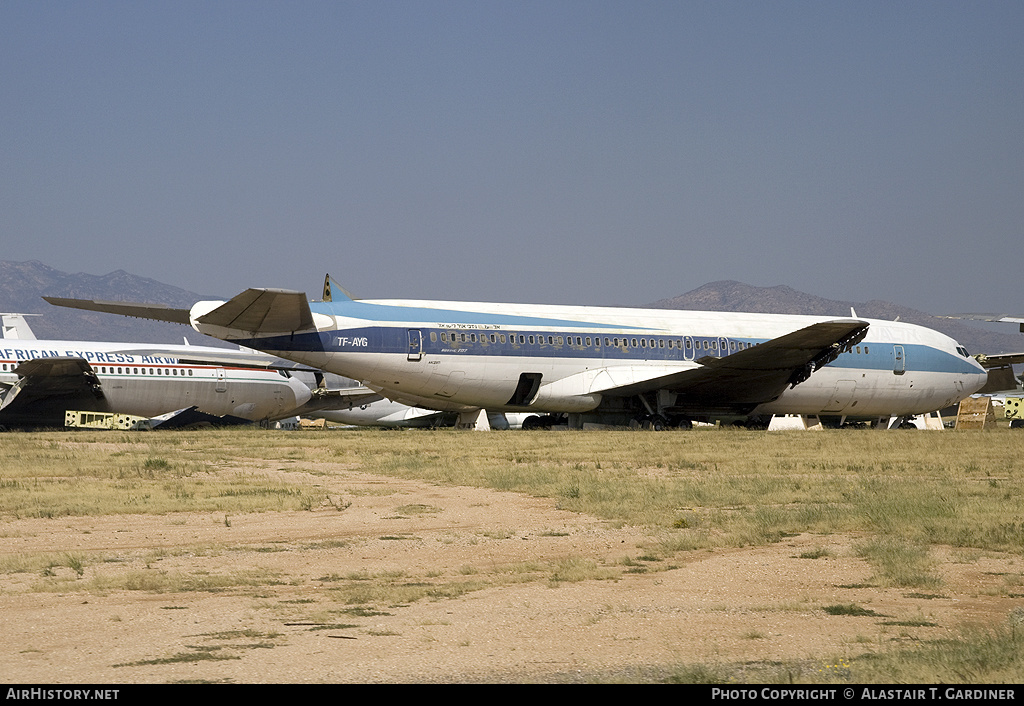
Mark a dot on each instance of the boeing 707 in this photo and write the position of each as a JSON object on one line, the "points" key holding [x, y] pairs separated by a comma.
{"points": [[658, 368]]}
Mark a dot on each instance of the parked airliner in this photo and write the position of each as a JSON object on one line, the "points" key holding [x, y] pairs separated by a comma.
{"points": [[40, 380], [596, 364]]}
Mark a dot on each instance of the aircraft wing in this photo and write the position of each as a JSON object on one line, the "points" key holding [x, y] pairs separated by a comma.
{"points": [[1005, 318], [159, 312], [999, 318], [1000, 371], [741, 381], [339, 399], [47, 384], [999, 360], [211, 356]]}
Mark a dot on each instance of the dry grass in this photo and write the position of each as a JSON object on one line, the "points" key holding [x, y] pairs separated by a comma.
{"points": [[903, 492], [701, 488]]}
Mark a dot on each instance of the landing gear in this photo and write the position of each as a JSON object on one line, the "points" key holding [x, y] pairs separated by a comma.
{"points": [[657, 422], [538, 422], [653, 422]]}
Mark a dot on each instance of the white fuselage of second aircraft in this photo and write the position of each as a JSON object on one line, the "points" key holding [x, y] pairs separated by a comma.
{"points": [[585, 360], [149, 380]]}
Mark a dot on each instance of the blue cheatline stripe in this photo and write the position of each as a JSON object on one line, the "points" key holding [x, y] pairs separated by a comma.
{"points": [[395, 340], [384, 312]]}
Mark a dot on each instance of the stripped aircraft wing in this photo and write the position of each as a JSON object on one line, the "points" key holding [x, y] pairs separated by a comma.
{"points": [[340, 398], [755, 375], [1001, 375], [998, 360], [52, 381]]}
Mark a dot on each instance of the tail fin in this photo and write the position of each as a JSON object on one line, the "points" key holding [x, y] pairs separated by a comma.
{"points": [[15, 326], [328, 290]]}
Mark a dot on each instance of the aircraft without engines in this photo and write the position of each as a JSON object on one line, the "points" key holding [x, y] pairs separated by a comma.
{"points": [[599, 365]]}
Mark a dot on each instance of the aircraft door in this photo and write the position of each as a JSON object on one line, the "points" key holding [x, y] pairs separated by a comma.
{"points": [[899, 365], [841, 396], [415, 344], [688, 348], [222, 380]]}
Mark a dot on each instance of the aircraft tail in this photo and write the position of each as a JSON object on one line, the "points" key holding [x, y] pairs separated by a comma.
{"points": [[159, 312], [331, 288], [261, 312]]}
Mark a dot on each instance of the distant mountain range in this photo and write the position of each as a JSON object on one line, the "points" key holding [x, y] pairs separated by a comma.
{"points": [[23, 284], [736, 296]]}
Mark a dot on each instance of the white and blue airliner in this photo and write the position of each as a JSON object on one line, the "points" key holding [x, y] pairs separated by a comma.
{"points": [[658, 368]]}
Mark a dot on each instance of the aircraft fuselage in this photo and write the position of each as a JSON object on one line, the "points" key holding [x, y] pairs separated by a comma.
{"points": [[146, 385], [516, 357]]}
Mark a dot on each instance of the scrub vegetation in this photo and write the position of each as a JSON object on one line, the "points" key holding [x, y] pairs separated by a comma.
{"points": [[904, 494]]}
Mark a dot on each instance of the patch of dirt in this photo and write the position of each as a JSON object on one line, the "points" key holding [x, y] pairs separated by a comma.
{"points": [[114, 610]]}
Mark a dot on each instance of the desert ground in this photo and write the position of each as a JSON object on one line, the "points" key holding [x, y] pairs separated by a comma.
{"points": [[407, 581]]}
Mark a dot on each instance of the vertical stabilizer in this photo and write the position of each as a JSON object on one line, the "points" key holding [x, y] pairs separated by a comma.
{"points": [[15, 326], [331, 287]]}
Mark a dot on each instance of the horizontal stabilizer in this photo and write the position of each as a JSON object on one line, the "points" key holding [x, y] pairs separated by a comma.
{"points": [[263, 311], [158, 312]]}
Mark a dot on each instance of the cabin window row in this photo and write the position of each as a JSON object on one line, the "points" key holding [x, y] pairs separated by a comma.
{"points": [[111, 370], [119, 370], [589, 341]]}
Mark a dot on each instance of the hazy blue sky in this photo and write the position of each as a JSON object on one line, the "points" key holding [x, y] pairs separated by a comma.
{"points": [[586, 152]]}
